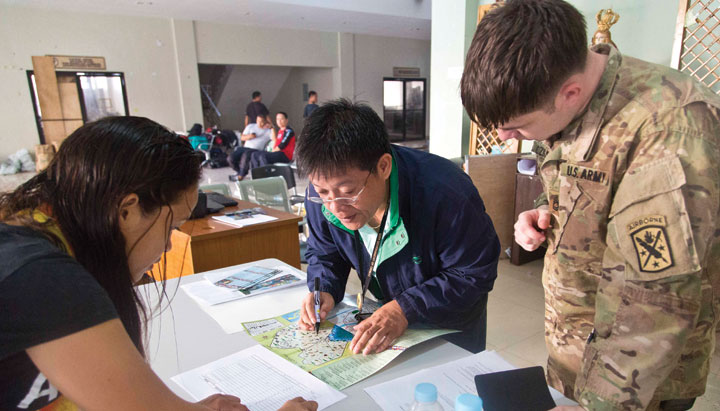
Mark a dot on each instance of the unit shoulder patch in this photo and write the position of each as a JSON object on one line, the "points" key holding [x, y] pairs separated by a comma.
{"points": [[651, 243]]}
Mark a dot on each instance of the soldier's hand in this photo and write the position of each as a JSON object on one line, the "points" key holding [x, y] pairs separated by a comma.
{"points": [[530, 228], [307, 310]]}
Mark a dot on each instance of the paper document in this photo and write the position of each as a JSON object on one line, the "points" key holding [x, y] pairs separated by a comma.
{"points": [[451, 380], [242, 222], [237, 308], [327, 354], [208, 292], [246, 278], [261, 379]]}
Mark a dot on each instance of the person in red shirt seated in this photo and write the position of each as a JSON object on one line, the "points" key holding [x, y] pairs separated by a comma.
{"points": [[283, 147]]}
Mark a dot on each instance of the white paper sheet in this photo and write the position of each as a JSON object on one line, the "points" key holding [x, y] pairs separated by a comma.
{"points": [[242, 222], [206, 292], [451, 380], [261, 379], [230, 315]]}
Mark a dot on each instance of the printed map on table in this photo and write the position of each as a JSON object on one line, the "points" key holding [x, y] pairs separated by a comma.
{"points": [[327, 354]]}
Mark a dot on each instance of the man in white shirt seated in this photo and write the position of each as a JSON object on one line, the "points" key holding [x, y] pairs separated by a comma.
{"points": [[255, 137]]}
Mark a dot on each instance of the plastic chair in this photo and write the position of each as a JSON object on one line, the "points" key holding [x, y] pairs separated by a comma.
{"points": [[283, 170], [217, 188], [271, 192]]}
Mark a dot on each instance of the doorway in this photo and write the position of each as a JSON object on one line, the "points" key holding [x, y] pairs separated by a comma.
{"points": [[404, 108], [84, 97]]}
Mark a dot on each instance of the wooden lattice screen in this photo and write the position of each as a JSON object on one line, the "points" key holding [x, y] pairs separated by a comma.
{"points": [[483, 140], [696, 49]]}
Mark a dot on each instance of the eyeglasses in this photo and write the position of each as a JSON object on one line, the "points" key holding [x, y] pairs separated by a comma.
{"points": [[342, 200]]}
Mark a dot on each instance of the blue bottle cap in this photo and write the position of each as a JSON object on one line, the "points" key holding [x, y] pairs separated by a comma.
{"points": [[425, 392], [468, 402]]}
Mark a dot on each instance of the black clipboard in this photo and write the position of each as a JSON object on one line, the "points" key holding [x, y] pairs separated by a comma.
{"points": [[522, 389]]}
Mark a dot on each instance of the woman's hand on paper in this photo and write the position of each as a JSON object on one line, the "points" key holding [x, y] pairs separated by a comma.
{"points": [[379, 332], [307, 311], [299, 404], [222, 402]]}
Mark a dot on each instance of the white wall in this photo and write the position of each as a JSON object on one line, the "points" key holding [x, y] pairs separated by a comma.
{"points": [[375, 57], [159, 58], [233, 44], [142, 48], [238, 90], [646, 28], [290, 96]]}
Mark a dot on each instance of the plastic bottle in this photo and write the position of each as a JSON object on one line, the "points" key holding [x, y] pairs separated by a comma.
{"points": [[468, 402], [425, 398]]}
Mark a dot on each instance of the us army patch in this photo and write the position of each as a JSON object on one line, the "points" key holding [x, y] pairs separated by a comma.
{"points": [[584, 173], [651, 244]]}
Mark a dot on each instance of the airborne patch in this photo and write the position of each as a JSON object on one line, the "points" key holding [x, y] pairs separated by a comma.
{"points": [[584, 173], [651, 244]]}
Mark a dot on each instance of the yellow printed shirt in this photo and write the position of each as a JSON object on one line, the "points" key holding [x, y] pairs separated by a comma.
{"points": [[632, 271]]}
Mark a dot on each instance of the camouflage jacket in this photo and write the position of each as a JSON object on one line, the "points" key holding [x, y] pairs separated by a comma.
{"points": [[632, 271]]}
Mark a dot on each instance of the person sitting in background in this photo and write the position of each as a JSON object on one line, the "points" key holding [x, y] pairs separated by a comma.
{"points": [[196, 137], [256, 108], [255, 137], [284, 145], [311, 105], [74, 241]]}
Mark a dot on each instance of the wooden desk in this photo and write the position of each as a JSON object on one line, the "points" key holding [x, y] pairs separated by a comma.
{"points": [[206, 244]]}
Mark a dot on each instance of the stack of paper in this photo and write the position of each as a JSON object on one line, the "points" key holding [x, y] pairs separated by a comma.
{"points": [[261, 379], [244, 221], [231, 308], [230, 284]]}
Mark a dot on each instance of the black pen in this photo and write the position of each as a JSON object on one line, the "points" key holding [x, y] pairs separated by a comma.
{"points": [[317, 304]]}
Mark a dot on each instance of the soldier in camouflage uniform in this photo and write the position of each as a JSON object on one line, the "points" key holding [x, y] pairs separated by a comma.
{"points": [[630, 212]]}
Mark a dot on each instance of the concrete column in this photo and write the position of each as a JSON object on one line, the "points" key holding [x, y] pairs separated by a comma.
{"points": [[344, 73], [186, 63], [453, 26]]}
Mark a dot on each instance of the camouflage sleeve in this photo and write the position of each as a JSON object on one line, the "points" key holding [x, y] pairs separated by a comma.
{"points": [[654, 280], [541, 200]]}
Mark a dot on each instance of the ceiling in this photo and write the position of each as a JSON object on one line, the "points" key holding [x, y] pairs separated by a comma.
{"points": [[395, 18]]}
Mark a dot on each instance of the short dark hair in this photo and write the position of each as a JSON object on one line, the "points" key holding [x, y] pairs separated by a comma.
{"points": [[255, 94], [312, 93], [283, 113], [521, 54], [339, 135]]}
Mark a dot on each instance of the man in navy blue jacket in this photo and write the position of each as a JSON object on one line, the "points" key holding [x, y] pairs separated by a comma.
{"points": [[436, 259]]}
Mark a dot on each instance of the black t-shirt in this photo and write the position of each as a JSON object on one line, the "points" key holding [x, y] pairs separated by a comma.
{"points": [[44, 295], [255, 109]]}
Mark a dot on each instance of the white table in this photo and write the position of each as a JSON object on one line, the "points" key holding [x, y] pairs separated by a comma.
{"points": [[183, 337]]}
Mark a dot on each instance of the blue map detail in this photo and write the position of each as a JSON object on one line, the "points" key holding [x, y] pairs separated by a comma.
{"points": [[339, 334], [292, 317]]}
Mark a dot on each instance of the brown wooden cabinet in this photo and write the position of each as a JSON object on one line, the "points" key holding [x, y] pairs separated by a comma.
{"points": [[206, 244]]}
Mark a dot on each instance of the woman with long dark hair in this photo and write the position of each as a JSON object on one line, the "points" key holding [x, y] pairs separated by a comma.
{"points": [[74, 240]]}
